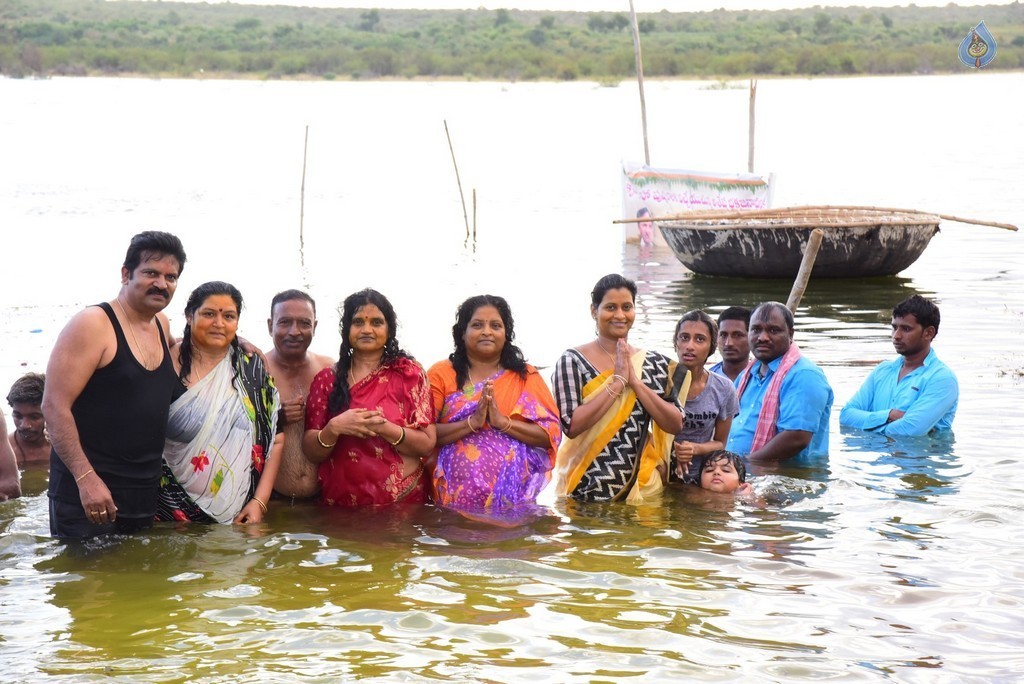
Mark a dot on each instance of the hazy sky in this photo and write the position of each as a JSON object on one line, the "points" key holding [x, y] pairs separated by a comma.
{"points": [[608, 5]]}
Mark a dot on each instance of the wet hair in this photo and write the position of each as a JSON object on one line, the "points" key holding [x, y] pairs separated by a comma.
{"points": [[511, 356], [787, 315], [28, 389], [289, 295], [643, 211], [700, 317], [195, 300], [924, 310], [340, 397], [154, 244], [737, 462], [612, 281], [735, 313]]}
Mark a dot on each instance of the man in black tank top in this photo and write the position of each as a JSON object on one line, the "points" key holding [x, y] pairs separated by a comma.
{"points": [[108, 389]]}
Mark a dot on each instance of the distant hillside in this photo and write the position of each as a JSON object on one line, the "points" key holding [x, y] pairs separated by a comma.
{"points": [[92, 37]]}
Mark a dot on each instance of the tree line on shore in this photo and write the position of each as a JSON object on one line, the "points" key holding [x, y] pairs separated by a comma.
{"points": [[90, 37]]}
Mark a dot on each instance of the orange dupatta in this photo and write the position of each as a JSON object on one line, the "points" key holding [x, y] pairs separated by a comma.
{"points": [[508, 388]]}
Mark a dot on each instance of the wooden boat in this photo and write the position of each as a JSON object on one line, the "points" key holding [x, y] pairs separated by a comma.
{"points": [[859, 242]]}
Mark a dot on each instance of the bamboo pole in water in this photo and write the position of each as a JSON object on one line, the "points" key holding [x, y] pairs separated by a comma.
{"points": [[302, 202], [804, 274], [640, 80], [458, 180], [750, 142]]}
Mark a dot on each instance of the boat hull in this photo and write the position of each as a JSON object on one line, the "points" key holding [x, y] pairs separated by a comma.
{"points": [[776, 251]]}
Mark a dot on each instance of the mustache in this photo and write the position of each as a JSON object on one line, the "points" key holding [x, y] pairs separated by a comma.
{"points": [[157, 291]]}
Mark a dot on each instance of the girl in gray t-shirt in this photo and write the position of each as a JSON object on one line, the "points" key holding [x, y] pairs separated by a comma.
{"points": [[711, 402]]}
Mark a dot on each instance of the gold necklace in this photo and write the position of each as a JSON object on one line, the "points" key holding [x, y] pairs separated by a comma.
{"points": [[352, 372], [131, 328], [200, 370], [471, 385], [610, 355]]}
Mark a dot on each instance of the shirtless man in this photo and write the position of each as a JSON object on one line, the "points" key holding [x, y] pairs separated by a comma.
{"points": [[291, 324], [108, 388], [29, 441], [10, 481]]}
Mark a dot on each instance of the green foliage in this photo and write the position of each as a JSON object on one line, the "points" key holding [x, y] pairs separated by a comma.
{"points": [[369, 21], [39, 37]]}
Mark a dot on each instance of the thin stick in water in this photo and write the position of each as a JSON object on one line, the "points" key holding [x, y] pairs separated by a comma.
{"points": [[302, 203], [750, 142], [640, 80], [458, 180]]}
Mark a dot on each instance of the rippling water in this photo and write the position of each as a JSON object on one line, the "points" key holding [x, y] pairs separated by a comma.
{"points": [[892, 561]]}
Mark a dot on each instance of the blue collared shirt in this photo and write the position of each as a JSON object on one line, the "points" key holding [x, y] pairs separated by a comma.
{"points": [[717, 368], [805, 403], [928, 395]]}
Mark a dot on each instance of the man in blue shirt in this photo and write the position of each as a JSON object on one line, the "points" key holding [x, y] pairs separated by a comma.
{"points": [[733, 344], [785, 399], [911, 395]]}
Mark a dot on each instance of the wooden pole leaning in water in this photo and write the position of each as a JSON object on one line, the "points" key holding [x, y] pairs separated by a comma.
{"points": [[302, 202], [750, 142], [640, 80], [458, 181], [806, 265]]}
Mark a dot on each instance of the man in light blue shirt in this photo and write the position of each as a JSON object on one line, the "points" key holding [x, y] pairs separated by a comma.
{"points": [[782, 378], [911, 395]]}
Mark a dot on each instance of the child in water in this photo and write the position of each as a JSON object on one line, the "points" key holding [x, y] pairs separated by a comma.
{"points": [[725, 473]]}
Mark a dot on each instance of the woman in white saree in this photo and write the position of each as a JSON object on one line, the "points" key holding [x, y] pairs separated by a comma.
{"points": [[223, 447]]}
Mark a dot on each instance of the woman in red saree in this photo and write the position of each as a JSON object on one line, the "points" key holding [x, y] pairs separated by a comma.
{"points": [[369, 419]]}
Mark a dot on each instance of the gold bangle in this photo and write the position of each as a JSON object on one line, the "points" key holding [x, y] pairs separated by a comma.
{"points": [[507, 427], [619, 377], [79, 478], [319, 439], [262, 505], [469, 422], [401, 438], [608, 389]]}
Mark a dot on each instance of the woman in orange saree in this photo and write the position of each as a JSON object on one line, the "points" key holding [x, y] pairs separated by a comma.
{"points": [[497, 428]]}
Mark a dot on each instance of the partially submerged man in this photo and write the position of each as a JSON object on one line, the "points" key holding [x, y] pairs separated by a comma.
{"points": [[733, 345], [10, 480], [28, 441], [292, 324], [913, 394], [108, 388], [785, 399]]}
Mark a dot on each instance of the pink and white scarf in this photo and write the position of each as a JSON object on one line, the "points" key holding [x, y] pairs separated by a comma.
{"points": [[768, 419]]}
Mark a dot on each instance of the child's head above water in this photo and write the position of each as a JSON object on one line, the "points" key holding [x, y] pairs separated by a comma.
{"points": [[722, 471]]}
